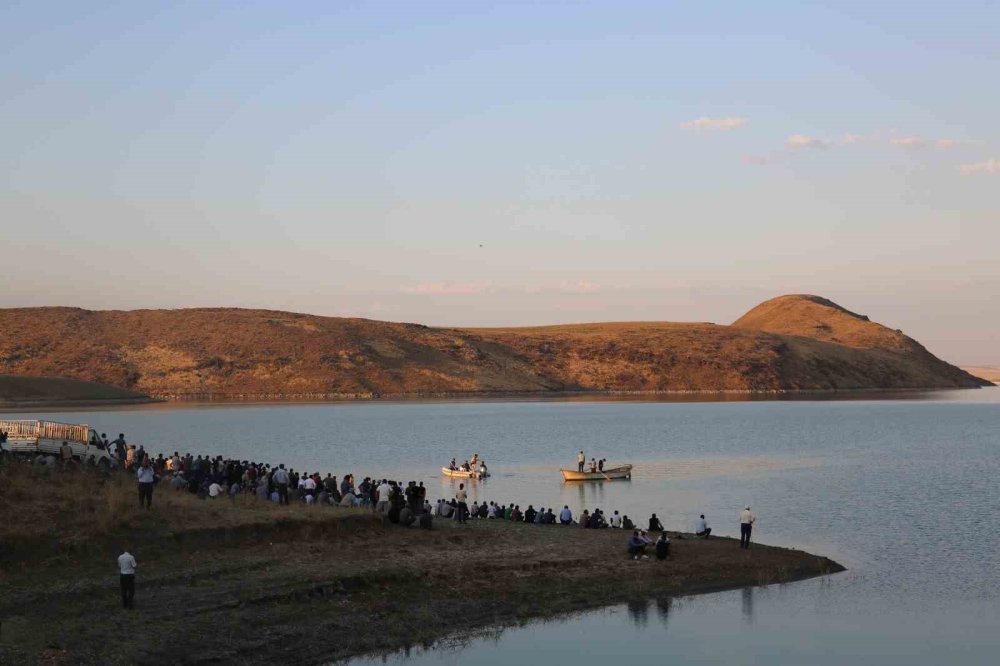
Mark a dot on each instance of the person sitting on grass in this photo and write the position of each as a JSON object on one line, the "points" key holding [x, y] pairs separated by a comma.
{"points": [[701, 527], [426, 519], [663, 547], [636, 546], [566, 516], [627, 523], [585, 519], [654, 524], [406, 517]]}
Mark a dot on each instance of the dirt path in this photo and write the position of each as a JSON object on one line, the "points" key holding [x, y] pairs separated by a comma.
{"points": [[314, 591]]}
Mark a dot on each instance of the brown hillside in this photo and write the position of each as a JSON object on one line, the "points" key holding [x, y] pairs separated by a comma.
{"points": [[255, 354], [51, 390]]}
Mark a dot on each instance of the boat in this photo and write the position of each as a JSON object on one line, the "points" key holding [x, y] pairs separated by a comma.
{"points": [[462, 474], [609, 474]]}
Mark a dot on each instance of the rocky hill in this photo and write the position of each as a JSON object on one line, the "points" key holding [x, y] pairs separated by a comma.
{"points": [[788, 343]]}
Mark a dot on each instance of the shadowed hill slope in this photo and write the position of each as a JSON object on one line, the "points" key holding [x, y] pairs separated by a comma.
{"points": [[262, 354], [50, 390]]}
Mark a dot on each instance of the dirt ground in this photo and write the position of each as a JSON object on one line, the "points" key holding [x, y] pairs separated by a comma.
{"points": [[334, 584]]}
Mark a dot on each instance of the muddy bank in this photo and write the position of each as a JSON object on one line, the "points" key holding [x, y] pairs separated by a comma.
{"points": [[311, 591]]}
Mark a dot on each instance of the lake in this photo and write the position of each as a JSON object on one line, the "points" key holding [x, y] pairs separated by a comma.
{"points": [[904, 492]]}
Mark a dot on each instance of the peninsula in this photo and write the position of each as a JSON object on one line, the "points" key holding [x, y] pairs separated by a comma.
{"points": [[253, 582], [790, 343]]}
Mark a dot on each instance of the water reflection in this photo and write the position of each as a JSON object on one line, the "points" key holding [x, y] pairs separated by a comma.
{"points": [[748, 605], [638, 611], [663, 606]]}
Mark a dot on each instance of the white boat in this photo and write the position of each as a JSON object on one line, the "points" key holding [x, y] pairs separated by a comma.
{"points": [[609, 474], [462, 474]]}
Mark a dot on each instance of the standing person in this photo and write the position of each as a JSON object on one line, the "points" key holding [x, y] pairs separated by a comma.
{"points": [[126, 577], [382, 501], [66, 453], [580, 461], [146, 477], [747, 520], [281, 479], [701, 527], [463, 509]]}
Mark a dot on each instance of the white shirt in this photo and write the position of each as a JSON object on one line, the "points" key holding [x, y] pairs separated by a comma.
{"points": [[383, 492], [616, 520], [308, 484], [214, 490], [461, 495], [747, 517], [566, 514], [700, 524], [126, 563], [280, 476]]}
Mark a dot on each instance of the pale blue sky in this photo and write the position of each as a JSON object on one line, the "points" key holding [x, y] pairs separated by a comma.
{"points": [[351, 158]]}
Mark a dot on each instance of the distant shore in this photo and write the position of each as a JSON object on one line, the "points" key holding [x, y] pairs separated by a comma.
{"points": [[313, 584], [479, 396]]}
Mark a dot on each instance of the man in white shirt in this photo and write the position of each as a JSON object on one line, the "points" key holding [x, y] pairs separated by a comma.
{"points": [[281, 479], [566, 516], [701, 527], [747, 520], [616, 520], [461, 496], [126, 570], [146, 477], [214, 490], [382, 507], [580, 460]]}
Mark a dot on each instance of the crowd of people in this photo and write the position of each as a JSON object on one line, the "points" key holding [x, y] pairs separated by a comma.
{"points": [[215, 477]]}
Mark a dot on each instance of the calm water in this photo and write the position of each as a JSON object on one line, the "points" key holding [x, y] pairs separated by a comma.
{"points": [[906, 493]]}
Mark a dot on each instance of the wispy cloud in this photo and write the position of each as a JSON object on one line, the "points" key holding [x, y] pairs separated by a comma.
{"points": [[706, 123], [759, 160], [447, 288], [849, 138], [989, 166], [805, 141], [908, 142], [943, 144]]}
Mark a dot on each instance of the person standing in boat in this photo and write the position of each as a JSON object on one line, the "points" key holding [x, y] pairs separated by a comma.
{"points": [[580, 461], [473, 461]]}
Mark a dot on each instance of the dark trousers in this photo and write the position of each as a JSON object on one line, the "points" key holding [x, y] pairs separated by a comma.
{"points": [[579, 466], [745, 529], [128, 589], [463, 512], [282, 492], [146, 495], [708, 530]]}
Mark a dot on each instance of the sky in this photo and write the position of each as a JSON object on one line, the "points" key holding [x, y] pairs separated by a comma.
{"points": [[512, 163]]}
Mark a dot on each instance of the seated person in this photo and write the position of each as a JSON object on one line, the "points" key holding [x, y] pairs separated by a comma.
{"points": [[426, 520], [636, 546], [663, 546], [406, 517], [627, 523], [565, 516], [701, 527], [654, 524]]}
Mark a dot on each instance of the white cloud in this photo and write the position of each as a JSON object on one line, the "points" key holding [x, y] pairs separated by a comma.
{"points": [[989, 166], [447, 288], [705, 123], [908, 142], [804, 141], [942, 144]]}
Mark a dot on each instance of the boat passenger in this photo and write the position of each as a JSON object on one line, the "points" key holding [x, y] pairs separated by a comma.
{"points": [[593, 466], [580, 460]]}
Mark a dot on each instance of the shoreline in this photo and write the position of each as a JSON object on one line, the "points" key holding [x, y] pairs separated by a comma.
{"points": [[252, 582], [686, 395]]}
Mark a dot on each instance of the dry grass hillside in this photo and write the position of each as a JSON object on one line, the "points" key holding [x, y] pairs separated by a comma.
{"points": [[789, 343]]}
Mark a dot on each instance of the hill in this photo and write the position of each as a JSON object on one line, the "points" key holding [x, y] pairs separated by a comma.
{"points": [[789, 343], [16, 390]]}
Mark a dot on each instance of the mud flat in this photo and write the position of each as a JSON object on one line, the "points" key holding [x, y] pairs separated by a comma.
{"points": [[250, 582]]}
